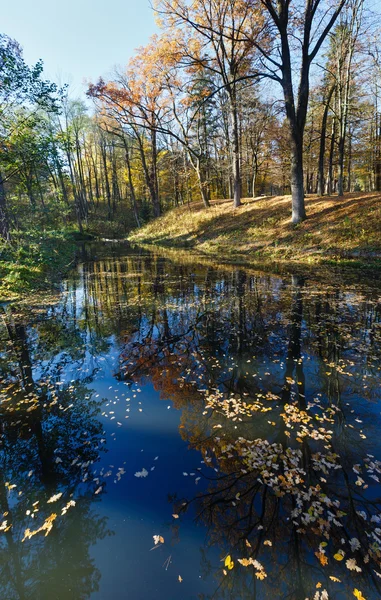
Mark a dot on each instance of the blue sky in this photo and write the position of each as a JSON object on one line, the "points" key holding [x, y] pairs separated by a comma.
{"points": [[78, 39]]}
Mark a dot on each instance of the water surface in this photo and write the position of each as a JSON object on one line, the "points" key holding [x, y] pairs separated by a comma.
{"points": [[177, 430]]}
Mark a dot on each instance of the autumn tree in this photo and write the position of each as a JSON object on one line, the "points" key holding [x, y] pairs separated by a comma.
{"points": [[220, 37]]}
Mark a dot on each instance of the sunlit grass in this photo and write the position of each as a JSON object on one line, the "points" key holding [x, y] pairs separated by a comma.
{"points": [[336, 229]]}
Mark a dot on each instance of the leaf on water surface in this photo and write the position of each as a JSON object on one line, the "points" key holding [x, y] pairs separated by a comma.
{"points": [[180, 579], [260, 575], [228, 562], [354, 544], [47, 527], [54, 498], [352, 565], [245, 562], [358, 594], [158, 539], [260, 572], [142, 473], [336, 579], [322, 558], [68, 505], [175, 516]]}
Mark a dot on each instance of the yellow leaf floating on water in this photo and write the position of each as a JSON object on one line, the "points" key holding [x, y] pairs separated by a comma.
{"points": [[180, 579], [47, 527], [158, 539], [322, 558], [245, 562], [358, 594], [336, 579], [228, 562], [338, 556], [175, 516], [260, 574]]}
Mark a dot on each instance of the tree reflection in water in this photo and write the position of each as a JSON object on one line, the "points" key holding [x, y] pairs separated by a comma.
{"points": [[274, 380], [277, 381], [50, 438]]}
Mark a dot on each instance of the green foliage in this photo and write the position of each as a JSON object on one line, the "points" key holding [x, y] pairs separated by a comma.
{"points": [[34, 262]]}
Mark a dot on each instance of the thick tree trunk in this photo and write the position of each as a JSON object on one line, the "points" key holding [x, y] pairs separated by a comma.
{"points": [[204, 187], [296, 119], [297, 183]]}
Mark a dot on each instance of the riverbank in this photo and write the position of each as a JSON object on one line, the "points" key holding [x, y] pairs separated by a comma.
{"points": [[35, 262], [337, 231]]}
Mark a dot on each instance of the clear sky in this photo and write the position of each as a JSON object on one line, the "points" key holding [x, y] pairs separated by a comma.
{"points": [[78, 39]]}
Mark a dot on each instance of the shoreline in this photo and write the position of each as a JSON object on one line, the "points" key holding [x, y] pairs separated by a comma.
{"points": [[343, 232]]}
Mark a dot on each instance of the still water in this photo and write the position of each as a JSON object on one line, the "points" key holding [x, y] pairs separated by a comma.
{"points": [[175, 430]]}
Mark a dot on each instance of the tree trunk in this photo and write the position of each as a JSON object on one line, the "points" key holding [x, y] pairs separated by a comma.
{"points": [[4, 223], [154, 177], [253, 183], [131, 184], [323, 134], [297, 184], [330, 163], [340, 180], [236, 157]]}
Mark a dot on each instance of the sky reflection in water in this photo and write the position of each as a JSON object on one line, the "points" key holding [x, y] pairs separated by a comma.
{"points": [[245, 404]]}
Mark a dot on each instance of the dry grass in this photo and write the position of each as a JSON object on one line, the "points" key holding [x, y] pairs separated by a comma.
{"points": [[336, 229]]}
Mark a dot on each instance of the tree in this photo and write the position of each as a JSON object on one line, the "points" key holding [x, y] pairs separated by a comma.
{"points": [[20, 85], [343, 45], [298, 35], [220, 37]]}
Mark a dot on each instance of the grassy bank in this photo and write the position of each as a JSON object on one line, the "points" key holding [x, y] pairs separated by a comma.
{"points": [[43, 249], [34, 262], [338, 230]]}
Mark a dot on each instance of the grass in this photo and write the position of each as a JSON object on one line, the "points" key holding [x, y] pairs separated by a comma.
{"points": [[34, 262], [338, 230], [43, 250]]}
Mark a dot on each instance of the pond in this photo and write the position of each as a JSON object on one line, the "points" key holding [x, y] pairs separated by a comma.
{"points": [[173, 429]]}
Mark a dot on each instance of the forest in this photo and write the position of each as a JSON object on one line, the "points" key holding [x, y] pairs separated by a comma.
{"points": [[234, 99]]}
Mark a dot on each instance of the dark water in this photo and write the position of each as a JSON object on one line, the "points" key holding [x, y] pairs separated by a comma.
{"points": [[235, 415]]}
